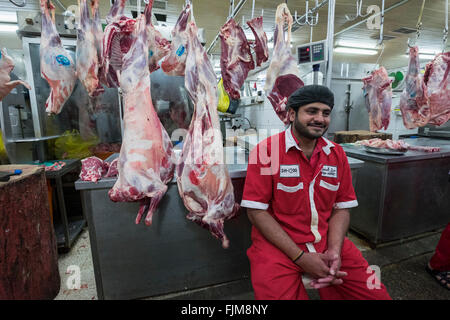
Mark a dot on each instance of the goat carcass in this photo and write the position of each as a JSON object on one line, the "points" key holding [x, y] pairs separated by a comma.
{"points": [[203, 180], [174, 64], [283, 64], [87, 54], [378, 92], [437, 82], [117, 39], [57, 66], [413, 101], [261, 48], [146, 161], [6, 66], [236, 59]]}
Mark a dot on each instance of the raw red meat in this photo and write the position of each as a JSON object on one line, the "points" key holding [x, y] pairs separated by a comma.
{"points": [[6, 66], [203, 180], [437, 82], [236, 59], [378, 92], [282, 64], [283, 88], [87, 55], [261, 48], [117, 39], [92, 169], [57, 165], [146, 161], [158, 47], [112, 168], [175, 63], [413, 101], [395, 145], [57, 66]]}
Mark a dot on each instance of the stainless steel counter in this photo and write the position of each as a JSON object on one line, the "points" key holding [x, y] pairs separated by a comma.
{"points": [[401, 196], [174, 254]]}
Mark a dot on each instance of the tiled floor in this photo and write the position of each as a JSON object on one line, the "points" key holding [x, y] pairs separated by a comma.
{"points": [[77, 261]]}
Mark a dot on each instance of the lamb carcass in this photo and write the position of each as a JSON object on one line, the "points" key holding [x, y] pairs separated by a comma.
{"points": [[261, 48], [146, 161], [174, 63], [236, 59], [117, 40], [57, 66], [413, 101], [6, 66], [203, 180], [378, 92], [283, 64], [87, 54], [437, 82]]}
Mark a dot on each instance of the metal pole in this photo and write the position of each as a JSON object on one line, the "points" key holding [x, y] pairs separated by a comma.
{"points": [[330, 40]]}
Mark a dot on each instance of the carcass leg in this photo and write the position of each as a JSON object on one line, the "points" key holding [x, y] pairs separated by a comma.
{"points": [[152, 207]]}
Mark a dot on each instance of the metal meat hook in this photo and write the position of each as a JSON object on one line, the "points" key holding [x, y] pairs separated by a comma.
{"points": [[310, 19], [358, 12]]}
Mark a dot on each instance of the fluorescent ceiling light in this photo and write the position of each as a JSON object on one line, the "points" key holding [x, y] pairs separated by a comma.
{"points": [[426, 56], [5, 27], [270, 45], [359, 45], [8, 16], [355, 50]]}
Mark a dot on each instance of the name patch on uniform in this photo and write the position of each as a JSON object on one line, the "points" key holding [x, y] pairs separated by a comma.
{"points": [[290, 171], [329, 171]]}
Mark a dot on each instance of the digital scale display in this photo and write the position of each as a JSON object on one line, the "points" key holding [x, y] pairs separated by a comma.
{"points": [[311, 53]]}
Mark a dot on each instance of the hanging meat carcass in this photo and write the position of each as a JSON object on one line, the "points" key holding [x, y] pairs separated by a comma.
{"points": [[158, 46], [413, 101], [6, 66], [117, 40], [175, 62], [57, 66], [146, 161], [87, 55], [98, 35], [283, 75], [261, 48], [236, 59], [378, 92], [437, 82], [203, 180]]}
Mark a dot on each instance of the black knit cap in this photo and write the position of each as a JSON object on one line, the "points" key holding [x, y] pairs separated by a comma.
{"points": [[310, 94]]}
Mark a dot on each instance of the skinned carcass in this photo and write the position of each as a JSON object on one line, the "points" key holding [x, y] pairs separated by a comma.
{"points": [[57, 66], [400, 145], [87, 54], [203, 180], [6, 67], [437, 82], [175, 62], [413, 101], [261, 48], [283, 64], [117, 40], [158, 47], [146, 161], [378, 92], [236, 59]]}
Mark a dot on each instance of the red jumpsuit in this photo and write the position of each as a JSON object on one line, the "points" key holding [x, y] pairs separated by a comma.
{"points": [[441, 258], [301, 195]]}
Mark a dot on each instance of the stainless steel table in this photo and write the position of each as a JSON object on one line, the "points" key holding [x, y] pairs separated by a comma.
{"points": [[401, 196]]}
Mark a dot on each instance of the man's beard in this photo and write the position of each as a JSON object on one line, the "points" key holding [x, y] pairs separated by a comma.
{"points": [[303, 130]]}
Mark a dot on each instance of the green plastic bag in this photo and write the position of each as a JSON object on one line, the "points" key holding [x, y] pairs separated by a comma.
{"points": [[224, 100], [71, 146], [3, 154]]}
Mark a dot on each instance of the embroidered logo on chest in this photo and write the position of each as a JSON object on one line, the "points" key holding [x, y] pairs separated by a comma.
{"points": [[329, 171], [290, 171]]}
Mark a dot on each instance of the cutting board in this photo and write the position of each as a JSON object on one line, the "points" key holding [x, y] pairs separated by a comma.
{"points": [[357, 135]]}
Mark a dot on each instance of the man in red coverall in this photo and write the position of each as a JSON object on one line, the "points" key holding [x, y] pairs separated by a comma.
{"points": [[439, 264], [298, 191]]}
